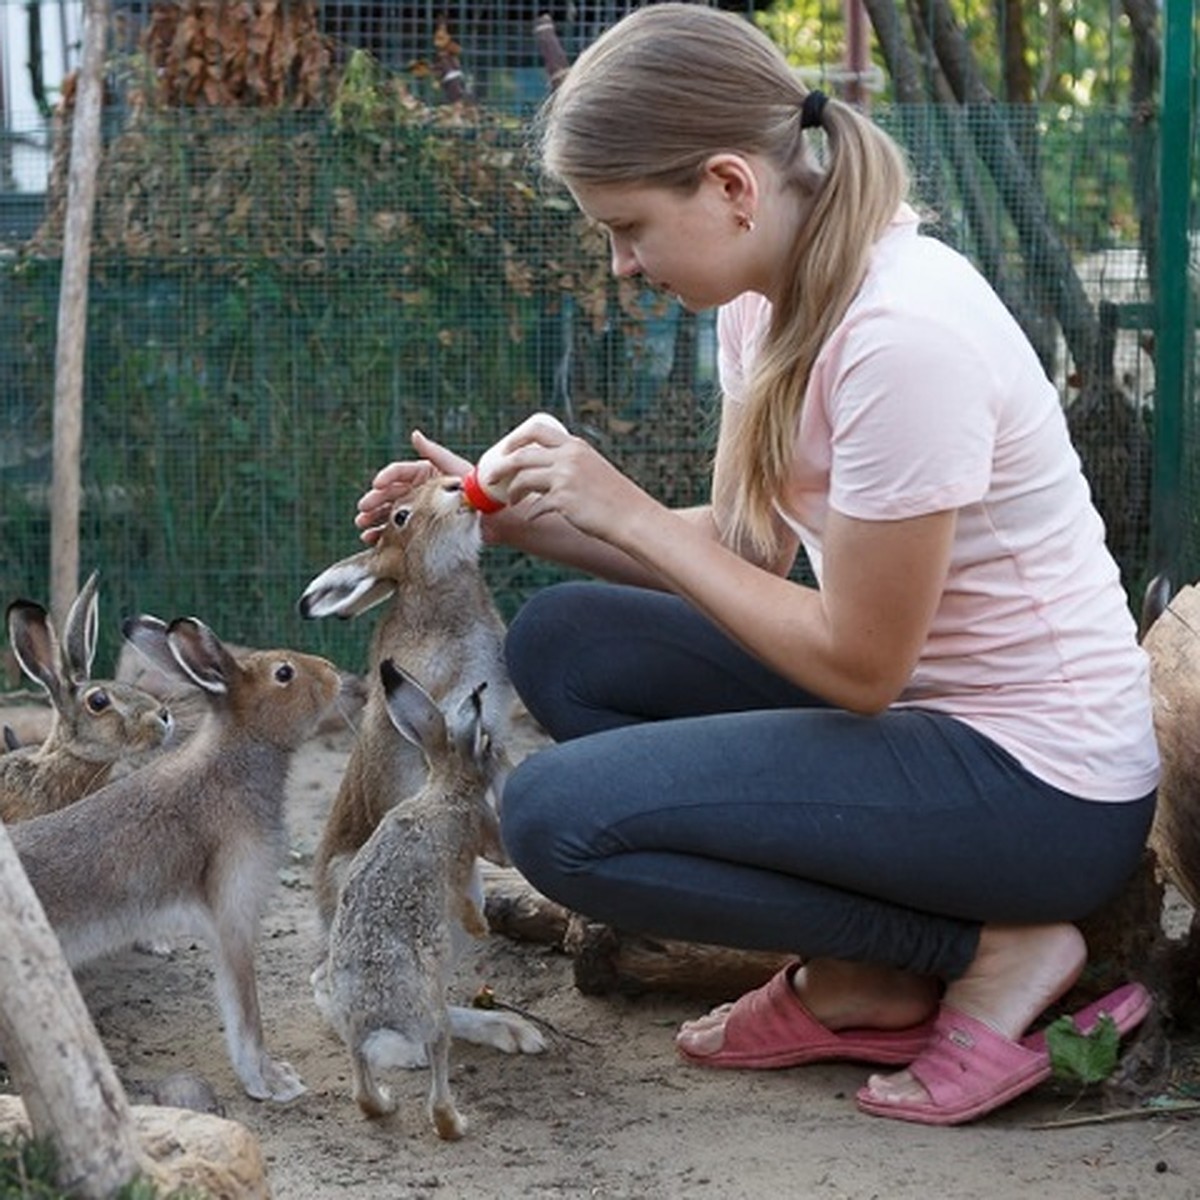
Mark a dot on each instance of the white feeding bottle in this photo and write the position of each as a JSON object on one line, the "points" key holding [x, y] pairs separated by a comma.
{"points": [[483, 491]]}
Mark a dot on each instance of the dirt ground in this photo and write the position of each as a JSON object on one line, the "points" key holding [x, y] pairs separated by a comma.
{"points": [[608, 1111]]}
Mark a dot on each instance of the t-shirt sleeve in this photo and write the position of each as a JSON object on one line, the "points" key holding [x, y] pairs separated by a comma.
{"points": [[912, 419]]}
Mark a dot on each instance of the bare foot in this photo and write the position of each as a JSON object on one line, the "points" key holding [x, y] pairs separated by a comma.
{"points": [[841, 995], [1017, 973]]}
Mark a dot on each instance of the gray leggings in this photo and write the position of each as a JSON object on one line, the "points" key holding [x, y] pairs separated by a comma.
{"points": [[694, 794]]}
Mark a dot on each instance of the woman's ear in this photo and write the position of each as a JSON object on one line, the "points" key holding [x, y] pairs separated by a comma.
{"points": [[735, 177]]}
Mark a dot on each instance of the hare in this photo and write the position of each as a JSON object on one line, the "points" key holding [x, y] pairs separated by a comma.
{"points": [[441, 623], [193, 842], [97, 725], [410, 896]]}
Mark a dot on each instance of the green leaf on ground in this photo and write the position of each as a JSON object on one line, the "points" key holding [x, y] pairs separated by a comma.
{"points": [[1083, 1057]]}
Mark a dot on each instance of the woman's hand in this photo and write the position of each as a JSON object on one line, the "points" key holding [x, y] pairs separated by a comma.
{"points": [[397, 479], [553, 472]]}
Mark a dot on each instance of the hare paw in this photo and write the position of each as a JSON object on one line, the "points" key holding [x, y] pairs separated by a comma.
{"points": [[448, 1121], [518, 1036], [504, 1031], [375, 1100], [277, 1081]]}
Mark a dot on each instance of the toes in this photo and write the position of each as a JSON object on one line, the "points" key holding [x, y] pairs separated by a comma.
{"points": [[707, 1039], [710, 1020], [900, 1087]]}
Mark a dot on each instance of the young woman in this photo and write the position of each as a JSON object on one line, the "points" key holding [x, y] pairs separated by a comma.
{"points": [[916, 776]]}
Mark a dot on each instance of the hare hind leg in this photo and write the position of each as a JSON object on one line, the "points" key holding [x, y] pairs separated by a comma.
{"points": [[372, 1097], [447, 1120]]}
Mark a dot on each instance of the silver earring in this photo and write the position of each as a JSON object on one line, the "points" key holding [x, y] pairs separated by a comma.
{"points": [[745, 222]]}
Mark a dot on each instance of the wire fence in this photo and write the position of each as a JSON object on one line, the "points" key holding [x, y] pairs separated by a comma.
{"points": [[279, 295]]}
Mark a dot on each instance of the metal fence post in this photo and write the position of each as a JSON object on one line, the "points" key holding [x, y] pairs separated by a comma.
{"points": [[1174, 324]]}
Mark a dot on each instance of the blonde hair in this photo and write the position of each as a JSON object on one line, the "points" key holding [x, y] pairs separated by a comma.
{"points": [[649, 102]]}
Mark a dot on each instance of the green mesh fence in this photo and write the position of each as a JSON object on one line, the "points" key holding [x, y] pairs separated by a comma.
{"points": [[278, 298]]}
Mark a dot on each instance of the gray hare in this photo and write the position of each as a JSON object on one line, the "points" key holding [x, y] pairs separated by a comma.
{"points": [[192, 843], [411, 901], [98, 725]]}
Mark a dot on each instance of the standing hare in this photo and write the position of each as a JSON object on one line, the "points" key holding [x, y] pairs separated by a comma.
{"points": [[409, 902], [193, 842], [97, 725], [441, 623]]}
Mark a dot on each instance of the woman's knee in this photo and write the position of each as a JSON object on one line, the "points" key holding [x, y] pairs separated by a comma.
{"points": [[528, 826]]}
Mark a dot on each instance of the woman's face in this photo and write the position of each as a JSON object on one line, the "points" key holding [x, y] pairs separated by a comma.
{"points": [[687, 244]]}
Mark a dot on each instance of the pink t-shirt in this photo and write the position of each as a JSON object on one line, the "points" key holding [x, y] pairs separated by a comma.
{"points": [[928, 396]]}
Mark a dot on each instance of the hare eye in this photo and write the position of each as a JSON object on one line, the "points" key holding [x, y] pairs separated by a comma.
{"points": [[285, 673], [97, 700], [400, 517]]}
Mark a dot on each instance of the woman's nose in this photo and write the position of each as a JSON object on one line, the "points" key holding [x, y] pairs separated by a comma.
{"points": [[624, 261]]}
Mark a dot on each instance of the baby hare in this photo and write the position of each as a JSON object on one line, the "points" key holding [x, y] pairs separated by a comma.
{"points": [[411, 894], [441, 623], [97, 725], [193, 842]]}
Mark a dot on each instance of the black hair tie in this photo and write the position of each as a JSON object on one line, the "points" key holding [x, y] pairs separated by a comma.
{"points": [[813, 109]]}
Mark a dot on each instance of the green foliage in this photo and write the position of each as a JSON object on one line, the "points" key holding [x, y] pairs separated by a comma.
{"points": [[1083, 1058], [1077, 54]]}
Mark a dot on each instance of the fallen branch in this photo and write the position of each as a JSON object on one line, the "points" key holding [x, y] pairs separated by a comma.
{"points": [[1174, 1108]]}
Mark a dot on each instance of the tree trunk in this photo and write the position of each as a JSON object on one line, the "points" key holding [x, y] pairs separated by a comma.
{"points": [[1047, 257], [71, 1092], [66, 490]]}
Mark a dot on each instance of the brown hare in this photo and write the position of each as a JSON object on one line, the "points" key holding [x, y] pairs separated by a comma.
{"points": [[193, 842], [441, 624], [99, 726]]}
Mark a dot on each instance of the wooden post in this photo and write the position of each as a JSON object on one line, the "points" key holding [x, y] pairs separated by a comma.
{"points": [[554, 58], [858, 54], [71, 1092], [65, 489]]}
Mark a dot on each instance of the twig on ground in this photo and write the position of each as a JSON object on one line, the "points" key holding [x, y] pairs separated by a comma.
{"points": [[1170, 1109]]}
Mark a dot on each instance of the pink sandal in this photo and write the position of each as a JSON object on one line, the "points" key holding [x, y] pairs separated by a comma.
{"points": [[770, 1027], [970, 1070]]}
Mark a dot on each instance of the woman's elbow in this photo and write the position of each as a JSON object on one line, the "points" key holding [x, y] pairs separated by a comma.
{"points": [[868, 696]]}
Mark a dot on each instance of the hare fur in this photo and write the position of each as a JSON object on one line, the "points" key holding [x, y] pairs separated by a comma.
{"points": [[411, 894], [97, 725], [193, 842]]}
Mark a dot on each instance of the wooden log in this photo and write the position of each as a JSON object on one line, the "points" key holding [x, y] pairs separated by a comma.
{"points": [[608, 960], [611, 960], [1173, 644], [516, 909], [58, 1063]]}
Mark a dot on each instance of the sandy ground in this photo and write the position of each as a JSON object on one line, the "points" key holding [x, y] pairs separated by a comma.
{"points": [[608, 1111]]}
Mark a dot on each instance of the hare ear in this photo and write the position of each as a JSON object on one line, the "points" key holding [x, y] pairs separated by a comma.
{"points": [[411, 708], [201, 654], [148, 636], [346, 589], [79, 636], [470, 733], [36, 647]]}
